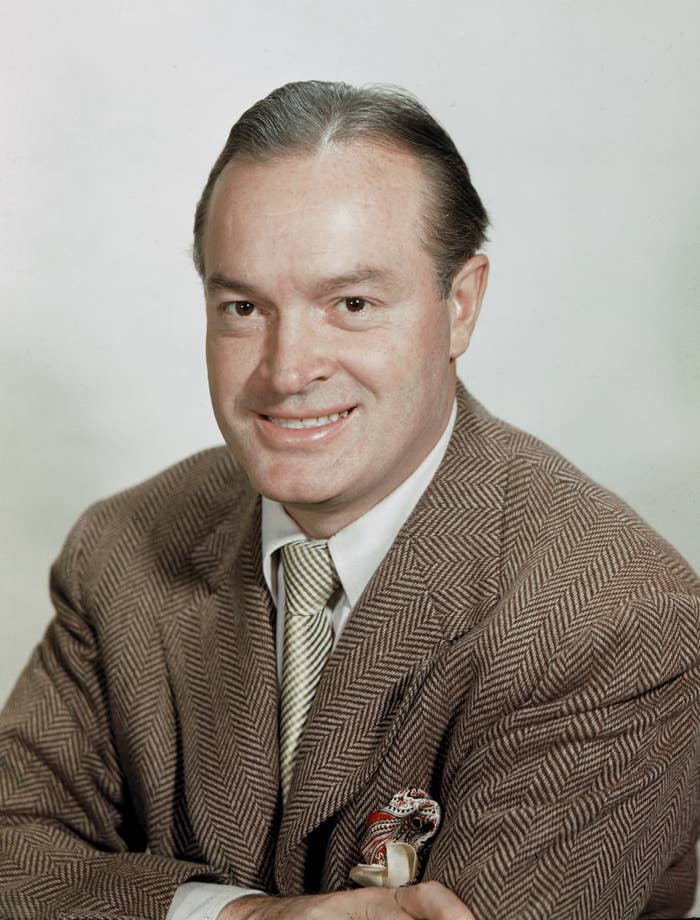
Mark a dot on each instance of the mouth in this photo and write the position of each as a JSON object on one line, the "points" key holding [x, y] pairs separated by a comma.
{"points": [[308, 422]]}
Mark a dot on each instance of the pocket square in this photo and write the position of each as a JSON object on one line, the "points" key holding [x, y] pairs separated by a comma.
{"points": [[394, 837]]}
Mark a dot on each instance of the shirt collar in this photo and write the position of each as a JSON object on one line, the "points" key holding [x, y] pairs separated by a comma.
{"points": [[357, 549]]}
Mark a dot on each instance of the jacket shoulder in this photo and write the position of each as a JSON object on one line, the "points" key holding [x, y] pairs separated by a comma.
{"points": [[543, 494], [198, 484], [157, 522]]}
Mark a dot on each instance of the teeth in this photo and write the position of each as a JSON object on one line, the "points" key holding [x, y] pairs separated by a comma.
{"points": [[307, 422]]}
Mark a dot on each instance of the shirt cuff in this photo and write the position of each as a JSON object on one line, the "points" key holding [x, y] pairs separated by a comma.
{"points": [[203, 900]]}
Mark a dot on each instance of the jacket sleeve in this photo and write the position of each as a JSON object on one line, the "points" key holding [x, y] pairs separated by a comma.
{"points": [[70, 841], [580, 801]]}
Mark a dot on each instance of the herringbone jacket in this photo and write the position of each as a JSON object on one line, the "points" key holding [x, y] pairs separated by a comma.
{"points": [[527, 652]]}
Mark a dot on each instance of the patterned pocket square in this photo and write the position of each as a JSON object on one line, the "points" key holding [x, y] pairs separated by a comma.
{"points": [[394, 837]]}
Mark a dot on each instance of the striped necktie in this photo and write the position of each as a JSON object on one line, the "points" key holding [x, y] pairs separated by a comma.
{"points": [[310, 579]]}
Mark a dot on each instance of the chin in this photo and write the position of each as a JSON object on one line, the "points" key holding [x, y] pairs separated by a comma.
{"points": [[287, 493], [297, 482], [300, 498]]}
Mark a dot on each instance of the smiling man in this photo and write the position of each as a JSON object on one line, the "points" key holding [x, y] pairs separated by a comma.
{"points": [[331, 350], [381, 635]]}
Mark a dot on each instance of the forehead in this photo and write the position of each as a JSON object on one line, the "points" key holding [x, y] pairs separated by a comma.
{"points": [[342, 203]]}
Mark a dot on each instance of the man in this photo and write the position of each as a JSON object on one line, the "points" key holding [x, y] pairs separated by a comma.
{"points": [[377, 585]]}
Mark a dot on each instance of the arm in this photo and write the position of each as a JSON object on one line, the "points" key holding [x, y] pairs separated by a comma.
{"points": [[429, 901], [70, 838], [204, 901], [574, 804]]}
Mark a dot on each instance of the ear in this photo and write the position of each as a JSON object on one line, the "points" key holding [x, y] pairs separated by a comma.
{"points": [[466, 295]]}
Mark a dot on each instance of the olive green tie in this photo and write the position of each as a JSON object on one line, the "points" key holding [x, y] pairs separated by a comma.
{"points": [[310, 579]]}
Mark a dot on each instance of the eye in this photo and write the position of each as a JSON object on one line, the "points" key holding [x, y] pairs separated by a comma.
{"points": [[238, 308], [355, 304]]}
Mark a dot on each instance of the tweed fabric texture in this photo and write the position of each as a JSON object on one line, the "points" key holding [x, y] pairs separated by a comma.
{"points": [[527, 653], [309, 581]]}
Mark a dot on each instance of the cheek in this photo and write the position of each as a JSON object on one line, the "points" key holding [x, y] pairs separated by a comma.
{"points": [[411, 356], [228, 366], [217, 371], [402, 367]]}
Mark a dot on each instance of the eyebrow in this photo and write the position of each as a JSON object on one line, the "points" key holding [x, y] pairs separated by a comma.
{"points": [[362, 275], [217, 281]]}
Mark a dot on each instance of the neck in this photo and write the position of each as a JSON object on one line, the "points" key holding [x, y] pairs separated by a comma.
{"points": [[321, 522]]}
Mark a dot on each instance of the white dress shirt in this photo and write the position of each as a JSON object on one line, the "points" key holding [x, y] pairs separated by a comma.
{"points": [[356, 551]]}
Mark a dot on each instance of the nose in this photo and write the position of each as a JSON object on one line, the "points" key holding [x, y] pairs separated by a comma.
{"points": [[297, 353]]}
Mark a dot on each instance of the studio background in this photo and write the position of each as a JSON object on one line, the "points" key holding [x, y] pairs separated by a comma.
{"points": [[579, 125]]}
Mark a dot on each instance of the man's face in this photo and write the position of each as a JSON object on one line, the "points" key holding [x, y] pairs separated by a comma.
{"points": [[329, 348]]}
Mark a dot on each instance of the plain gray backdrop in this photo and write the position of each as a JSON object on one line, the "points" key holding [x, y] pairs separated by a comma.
{"points": [[579, 123]]}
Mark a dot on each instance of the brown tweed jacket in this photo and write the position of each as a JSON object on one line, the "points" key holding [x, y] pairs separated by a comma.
{"points": [[527, 652]]}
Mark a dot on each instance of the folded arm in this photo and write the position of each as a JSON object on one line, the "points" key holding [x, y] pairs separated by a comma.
{"points": [[575, 804], [71, 842]]}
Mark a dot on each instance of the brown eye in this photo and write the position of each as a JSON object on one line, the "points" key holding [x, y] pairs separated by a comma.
{"points": [[355, 304], [239, 307]]}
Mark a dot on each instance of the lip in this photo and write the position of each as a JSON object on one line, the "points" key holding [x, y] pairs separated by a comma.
{"points": [[307, 413], [278, 437]]}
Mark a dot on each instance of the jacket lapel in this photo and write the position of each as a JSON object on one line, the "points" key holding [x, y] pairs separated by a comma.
{"points": [[221, 650], [438, 579], [367, 685]]}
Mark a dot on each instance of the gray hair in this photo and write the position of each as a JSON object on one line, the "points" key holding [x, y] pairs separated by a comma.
{"points": [[306, 116]]}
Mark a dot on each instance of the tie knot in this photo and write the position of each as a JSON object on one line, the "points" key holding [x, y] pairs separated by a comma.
{"points": [[310, 577]]}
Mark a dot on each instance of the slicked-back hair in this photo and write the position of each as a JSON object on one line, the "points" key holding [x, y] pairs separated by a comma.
{"points": [[307, 116]]}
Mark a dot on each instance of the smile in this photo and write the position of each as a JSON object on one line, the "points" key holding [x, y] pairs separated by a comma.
{"points": [[317, 422]]}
